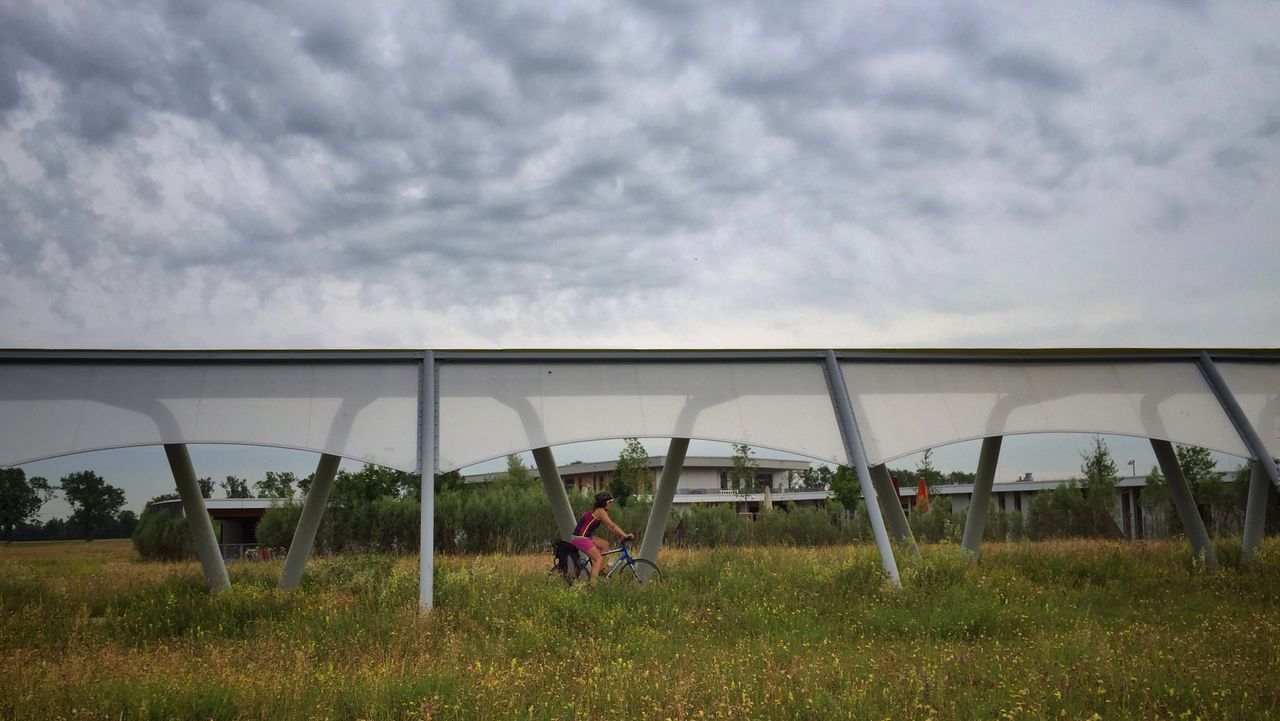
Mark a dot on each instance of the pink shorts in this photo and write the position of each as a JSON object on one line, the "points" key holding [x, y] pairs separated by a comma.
{"points": [[582, 543]]}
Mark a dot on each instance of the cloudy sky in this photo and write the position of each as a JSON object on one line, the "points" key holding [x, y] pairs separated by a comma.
{"points": [[659, 174], [663, 174]]}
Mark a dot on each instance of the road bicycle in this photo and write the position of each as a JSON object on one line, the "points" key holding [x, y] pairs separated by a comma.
{"points": [[642, 569]]}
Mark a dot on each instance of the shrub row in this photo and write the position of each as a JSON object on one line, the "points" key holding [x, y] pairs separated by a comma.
{"points": [[518, 519], [514, 518], [943, 524]]}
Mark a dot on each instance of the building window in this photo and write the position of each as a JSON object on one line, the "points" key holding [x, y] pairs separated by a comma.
{"points": [[762, 480]]}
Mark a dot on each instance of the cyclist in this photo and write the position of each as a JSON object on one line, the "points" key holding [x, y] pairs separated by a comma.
{"points": [[585, 542]]}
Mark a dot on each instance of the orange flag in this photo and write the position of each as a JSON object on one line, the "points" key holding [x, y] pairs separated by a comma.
{"points": [[922, 497]]}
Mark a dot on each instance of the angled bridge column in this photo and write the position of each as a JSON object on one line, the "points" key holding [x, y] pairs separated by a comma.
{"points": [[184, 476], [1255, 513], [304, 536], [1186, 505], [556, 494], [975, 521], [858, 458], [662, 497], [891, 507]]}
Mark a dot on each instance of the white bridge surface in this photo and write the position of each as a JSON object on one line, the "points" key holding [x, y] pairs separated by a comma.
{"points": [[364, 405]]}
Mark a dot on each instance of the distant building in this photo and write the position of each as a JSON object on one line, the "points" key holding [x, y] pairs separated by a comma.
{"points": [[235, 520], [1131, 518], [703, 479]]}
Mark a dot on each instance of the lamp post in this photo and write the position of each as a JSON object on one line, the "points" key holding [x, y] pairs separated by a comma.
{"points": [[1133, 467]]}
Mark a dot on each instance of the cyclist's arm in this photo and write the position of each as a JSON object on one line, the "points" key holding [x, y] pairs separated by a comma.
{"points": [[604, 516]]}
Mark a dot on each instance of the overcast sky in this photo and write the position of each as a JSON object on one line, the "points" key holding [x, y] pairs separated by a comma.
{"points": [[313, 174], [659, 174]]}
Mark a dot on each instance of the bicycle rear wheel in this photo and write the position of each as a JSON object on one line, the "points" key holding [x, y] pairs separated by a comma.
{"points": [[644, 570]]}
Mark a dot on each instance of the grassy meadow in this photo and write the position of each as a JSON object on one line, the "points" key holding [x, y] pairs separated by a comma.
{"points": [[1075, 630]]}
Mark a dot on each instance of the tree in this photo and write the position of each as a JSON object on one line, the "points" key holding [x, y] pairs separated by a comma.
{"points": [[1099, 486], [235, 487], [54, 529], [632, 474], [1060, 512], [812, 479], [743, 469], [128, 522], [206, 487], [371, 483], [518, 473], [1157, 501], [20, 498], [94, 502], [962, 477], [845, 488], [1197, 466], [1223, 510], [924, 469], [276, 485], [449, 481]]}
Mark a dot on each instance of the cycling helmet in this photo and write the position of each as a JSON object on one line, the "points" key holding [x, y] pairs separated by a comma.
{"points": [[602, 499]]}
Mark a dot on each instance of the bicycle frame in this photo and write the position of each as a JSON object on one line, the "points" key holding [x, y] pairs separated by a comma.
{"points": [[624, 559]]}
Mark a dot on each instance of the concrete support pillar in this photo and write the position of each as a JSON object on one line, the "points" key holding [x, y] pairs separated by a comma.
{"points": [[304, 536], [858, 459], [427, 468], [1261, 455], [891, 508], [1182, 500], [1255, 514], [662, 496], [184, 476], [976, 520], [554, 486]]}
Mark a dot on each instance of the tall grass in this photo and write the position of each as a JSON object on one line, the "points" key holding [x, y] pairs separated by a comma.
{"points": [[1062, 629]]}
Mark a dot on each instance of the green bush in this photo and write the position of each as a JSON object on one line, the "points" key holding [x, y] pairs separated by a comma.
{"points": [[275, 528], [939, 524], [1061, 513], [794, 526], [718, 525], [161, 536]]}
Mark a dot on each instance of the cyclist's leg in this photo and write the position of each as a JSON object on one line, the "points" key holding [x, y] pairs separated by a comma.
{"points": [[597, 560]]}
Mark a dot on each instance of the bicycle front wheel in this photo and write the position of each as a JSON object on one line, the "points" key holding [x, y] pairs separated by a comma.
{"points": [[643, 570]]}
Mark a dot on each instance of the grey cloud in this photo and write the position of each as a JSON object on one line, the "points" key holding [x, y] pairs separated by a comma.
{"points": [[1151, 153], [1234, 157], [1035, 70], [99, 111], [1173, 215], [10, 88]]}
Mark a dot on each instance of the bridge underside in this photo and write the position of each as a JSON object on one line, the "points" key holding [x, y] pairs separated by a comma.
{"points": [[442, 410]]}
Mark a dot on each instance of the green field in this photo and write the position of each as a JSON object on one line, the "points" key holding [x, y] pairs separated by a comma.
{"points": [[1046, 630]]}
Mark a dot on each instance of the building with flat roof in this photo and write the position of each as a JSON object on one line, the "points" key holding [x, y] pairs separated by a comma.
{"points": [[703, 479], [235, 520]]}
